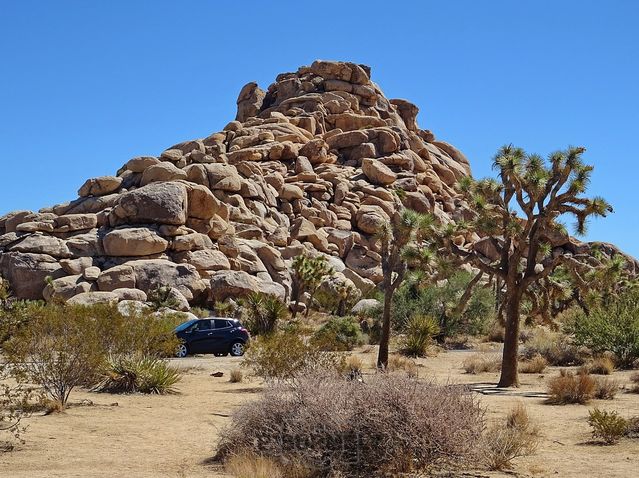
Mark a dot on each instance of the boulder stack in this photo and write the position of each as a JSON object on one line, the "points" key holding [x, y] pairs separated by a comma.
{"points": [[311, 164]]}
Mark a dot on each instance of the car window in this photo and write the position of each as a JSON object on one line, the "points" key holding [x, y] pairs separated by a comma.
{"points": [[204, 325], [221, 324]]}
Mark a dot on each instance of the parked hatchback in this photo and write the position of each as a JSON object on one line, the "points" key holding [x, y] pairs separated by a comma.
{"points": [[220, 336]]}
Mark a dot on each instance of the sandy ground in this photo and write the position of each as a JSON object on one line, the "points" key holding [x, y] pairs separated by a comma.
{"points": [[173, 436]]}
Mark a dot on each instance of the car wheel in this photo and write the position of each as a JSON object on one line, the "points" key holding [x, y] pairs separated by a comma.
{"points": [[237, 349], [182, 351]]}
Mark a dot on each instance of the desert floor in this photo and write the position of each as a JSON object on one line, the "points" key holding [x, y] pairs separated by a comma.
{"points": [[173, 436]]}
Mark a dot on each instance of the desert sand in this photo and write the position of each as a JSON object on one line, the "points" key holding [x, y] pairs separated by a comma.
{"points": [[104, 435]]}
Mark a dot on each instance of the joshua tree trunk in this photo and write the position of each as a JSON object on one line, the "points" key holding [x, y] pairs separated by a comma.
{"points": [[382, 358], [509, 364]]}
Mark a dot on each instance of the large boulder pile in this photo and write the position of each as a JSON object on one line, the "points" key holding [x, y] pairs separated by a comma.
{"points": [[312, 165]]}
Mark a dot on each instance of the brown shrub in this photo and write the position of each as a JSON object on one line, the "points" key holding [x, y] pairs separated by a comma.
{"points": [[236, 376], [518, 437], [606, 388], [555, 347], [570, 388], [496, 333], [343, 424], [537, 364], [480, 363], [601, 366], [634, 378]]}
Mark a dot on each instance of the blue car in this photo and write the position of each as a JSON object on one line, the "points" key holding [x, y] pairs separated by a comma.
{"points": [[215, 335]]}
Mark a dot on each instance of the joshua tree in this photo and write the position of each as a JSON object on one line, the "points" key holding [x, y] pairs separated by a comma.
{"points": [[399, 246], [308, 274], [518, 250]]}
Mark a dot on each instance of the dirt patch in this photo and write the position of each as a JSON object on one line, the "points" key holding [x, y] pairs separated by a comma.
{"points": [[175, 435]]}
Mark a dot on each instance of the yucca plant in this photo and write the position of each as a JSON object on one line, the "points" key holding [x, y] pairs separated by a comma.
{"points": [[420, 331], [138, 373]]}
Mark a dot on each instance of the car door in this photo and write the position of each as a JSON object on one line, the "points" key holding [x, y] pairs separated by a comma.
{"points": [[221, 335], [202, 337]]}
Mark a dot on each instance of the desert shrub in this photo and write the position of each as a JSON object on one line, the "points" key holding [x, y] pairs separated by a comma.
{"points": [[414, 298], [342, 424], [634, 380], [397, 363], [354, 364], [632, 431], [201, 312], [338, 334], [236, 376], [15, 314], [607, 426], [601, 366], [606, 388], [517, 437], [138, 373], [59, 349], [283, 356], [612, 327], [256, 466], [14, 398], [555, 347], [536, 364], [481, 363], [372, 328], [570, 388], [263, 313], [419, 333], [162, 298], [496, 332]]}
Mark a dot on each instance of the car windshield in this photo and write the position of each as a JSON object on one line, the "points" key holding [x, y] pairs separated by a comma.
{"points": [[185, 325]]}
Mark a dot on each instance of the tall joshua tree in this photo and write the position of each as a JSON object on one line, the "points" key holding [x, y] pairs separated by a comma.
{"points": [[308, 274], [399, 246], [544, 192]]}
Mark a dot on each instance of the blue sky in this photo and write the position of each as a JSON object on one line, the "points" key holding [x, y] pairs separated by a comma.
{"points": [[84, 86]]}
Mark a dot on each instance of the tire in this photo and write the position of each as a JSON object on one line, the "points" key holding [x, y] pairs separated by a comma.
{"points": [[237, 349], [182, 351]]}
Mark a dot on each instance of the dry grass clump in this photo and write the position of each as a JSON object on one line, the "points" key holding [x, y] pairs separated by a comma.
{"points": [[236, 376], [496, 333], [601, 366], [607, 426], [555, 347], [518, 437], [570, 388], [256, 466], [606, 388], [480, 363], [354, 364], [388, 425], [537, 364]]}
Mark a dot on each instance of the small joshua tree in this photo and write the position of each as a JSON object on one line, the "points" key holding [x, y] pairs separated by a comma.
{"points": [[308, 274], [399, 247], [544, 192]]}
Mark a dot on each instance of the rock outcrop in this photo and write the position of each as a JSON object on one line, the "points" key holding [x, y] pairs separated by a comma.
{"points": [[312, 164]]}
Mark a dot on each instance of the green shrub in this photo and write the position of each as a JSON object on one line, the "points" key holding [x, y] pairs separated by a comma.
{"points": [[58, 349], [612, 327], [162, 297], [138, 373], [607, 426], [282, 356], [419, 334], [338, 334], [201, 312]]}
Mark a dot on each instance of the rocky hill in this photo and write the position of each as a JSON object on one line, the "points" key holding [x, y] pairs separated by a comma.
{"points": [[311, 164]]}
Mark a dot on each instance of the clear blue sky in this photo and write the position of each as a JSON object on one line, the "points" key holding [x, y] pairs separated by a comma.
{"points": [[86, 85]]}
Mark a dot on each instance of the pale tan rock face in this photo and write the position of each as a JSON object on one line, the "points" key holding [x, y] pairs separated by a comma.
{"points": [[310, 164]]}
